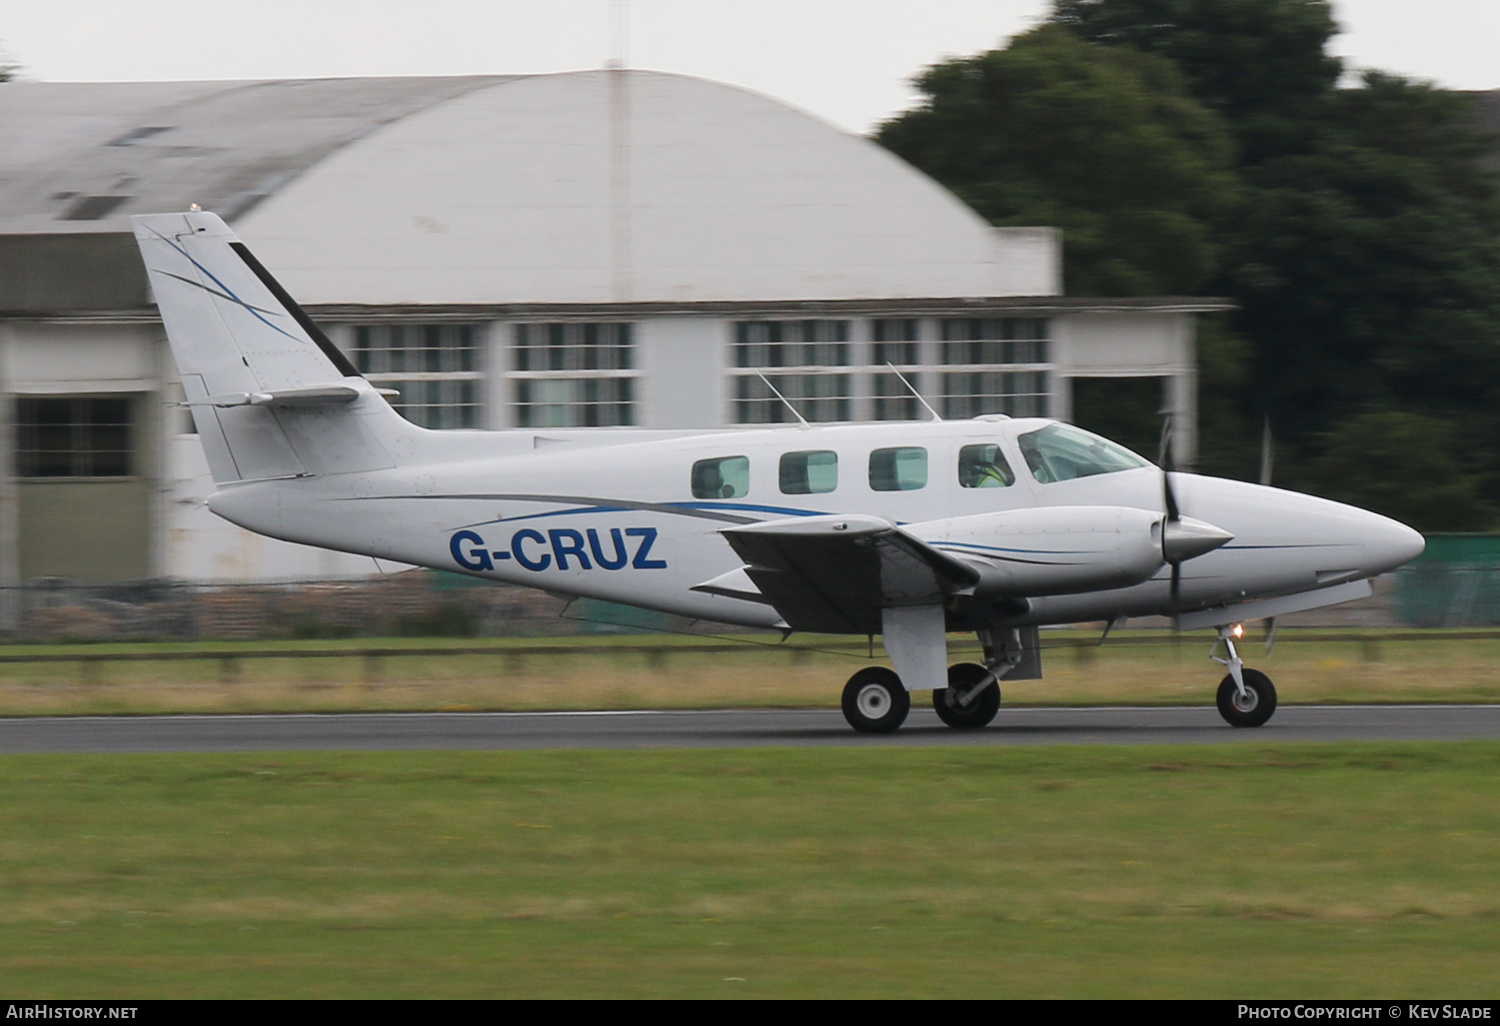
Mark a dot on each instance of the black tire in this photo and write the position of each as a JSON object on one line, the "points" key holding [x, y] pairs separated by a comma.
{"points": [[977, 713], [1257, 705], [875, 701]]}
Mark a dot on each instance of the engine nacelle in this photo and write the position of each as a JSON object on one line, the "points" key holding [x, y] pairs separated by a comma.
{"points": [[1060, 550]]}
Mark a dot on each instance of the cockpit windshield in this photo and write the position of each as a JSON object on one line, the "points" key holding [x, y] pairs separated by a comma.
{"points": [[1061, 452]]}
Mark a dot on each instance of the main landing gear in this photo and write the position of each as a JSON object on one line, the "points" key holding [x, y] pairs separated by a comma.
{"points": [[876, 702], [1247, 698], [971, 699]]}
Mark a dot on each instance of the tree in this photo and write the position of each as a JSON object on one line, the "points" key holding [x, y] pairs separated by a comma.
{"points": [[1259, 63], [1368, 267], [1401, 464], [1357, 228], [1366, 252], [1104, 144]]}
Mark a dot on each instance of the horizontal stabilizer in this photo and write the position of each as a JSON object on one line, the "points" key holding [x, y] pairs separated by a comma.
{"points": [[310, 395]]}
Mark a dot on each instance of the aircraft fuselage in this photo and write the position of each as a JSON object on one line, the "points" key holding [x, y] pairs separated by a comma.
{"points": [[627, 525]]}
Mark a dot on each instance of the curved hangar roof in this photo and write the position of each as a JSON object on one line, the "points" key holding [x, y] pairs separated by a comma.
{"points": [[585, 187]]}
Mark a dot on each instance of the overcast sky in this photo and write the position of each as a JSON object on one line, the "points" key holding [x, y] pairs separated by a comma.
{"points": [[847, 61]]}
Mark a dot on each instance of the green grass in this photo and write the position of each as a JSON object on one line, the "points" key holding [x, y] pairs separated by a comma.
{"points": [[1238, 871]]}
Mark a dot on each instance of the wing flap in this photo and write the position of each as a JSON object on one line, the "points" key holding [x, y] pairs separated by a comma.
{"points": [[735, 584], [836, 574]]}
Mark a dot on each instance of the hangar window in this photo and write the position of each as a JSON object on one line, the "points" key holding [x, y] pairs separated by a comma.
{"points": [[895, 343], [74, 436], [436, 368], [995, 365], [903, 469], [574, 374], [806, 361]]}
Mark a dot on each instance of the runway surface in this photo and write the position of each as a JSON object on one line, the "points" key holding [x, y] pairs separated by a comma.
{"points": [[726, 729]]}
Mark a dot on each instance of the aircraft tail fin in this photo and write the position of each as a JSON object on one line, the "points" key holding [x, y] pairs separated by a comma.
{"points": [[270, 394]]}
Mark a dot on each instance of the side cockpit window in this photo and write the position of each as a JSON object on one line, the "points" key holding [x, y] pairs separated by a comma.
{"points": [[1061, 452], [903, 469], [727, 477], [984, 466], [809, 473]]}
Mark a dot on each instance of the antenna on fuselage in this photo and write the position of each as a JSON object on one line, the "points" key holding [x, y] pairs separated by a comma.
{"points": [[783, 399], [912, 388]]}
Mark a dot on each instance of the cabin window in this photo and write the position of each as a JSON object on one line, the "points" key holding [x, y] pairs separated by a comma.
{"points": [[574, 374], [807, 361], [994, 365], [809, 473], [1061, 452], [984, 466], [727, 477], [436, 368], [902, 469]]}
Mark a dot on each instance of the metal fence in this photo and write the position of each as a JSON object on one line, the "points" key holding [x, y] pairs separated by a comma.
{"points": [[427, 604], [1449, 595]]}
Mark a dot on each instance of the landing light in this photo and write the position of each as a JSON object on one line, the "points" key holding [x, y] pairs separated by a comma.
{"points": [[1238, 630]]}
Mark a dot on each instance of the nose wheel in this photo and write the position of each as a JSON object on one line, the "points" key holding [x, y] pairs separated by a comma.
{"points": [[1247, 698], [1250, 707]]}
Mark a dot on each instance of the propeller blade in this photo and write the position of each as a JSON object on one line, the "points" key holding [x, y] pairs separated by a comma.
{"points": [[1267, 452], [1169, 498]]}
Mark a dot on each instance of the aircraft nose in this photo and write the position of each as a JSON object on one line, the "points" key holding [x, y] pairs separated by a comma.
{"points": [[1388, 544]]}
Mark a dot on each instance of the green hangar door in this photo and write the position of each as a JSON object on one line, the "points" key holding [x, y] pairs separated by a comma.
{"points": [[1127, 410], [83, 493]]}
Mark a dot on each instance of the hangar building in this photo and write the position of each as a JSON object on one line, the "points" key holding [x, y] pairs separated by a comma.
{"points": [[594, 248]]}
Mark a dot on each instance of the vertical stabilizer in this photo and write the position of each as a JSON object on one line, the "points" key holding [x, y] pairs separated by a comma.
{"points": [[270, 394]]}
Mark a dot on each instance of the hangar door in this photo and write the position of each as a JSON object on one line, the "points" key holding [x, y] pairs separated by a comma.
{"points": [[1125, 410], [83, 492]]}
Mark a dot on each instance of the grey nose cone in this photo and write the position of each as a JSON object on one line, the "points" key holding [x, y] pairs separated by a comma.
{"points": [[1185, 538], [1388, 544]]}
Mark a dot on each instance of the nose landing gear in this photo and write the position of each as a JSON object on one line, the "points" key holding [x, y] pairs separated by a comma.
{"points": [[1247, 698]]}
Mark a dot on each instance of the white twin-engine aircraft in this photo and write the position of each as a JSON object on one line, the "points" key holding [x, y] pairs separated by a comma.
{"points": [[908, 530]]}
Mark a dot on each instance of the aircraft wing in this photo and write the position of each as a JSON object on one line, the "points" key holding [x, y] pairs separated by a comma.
{"points": [[832, 574]]}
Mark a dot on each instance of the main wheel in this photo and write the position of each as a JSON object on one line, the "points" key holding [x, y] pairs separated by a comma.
{"points": [[1252, 708], [875, 702], [980, 710]]}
